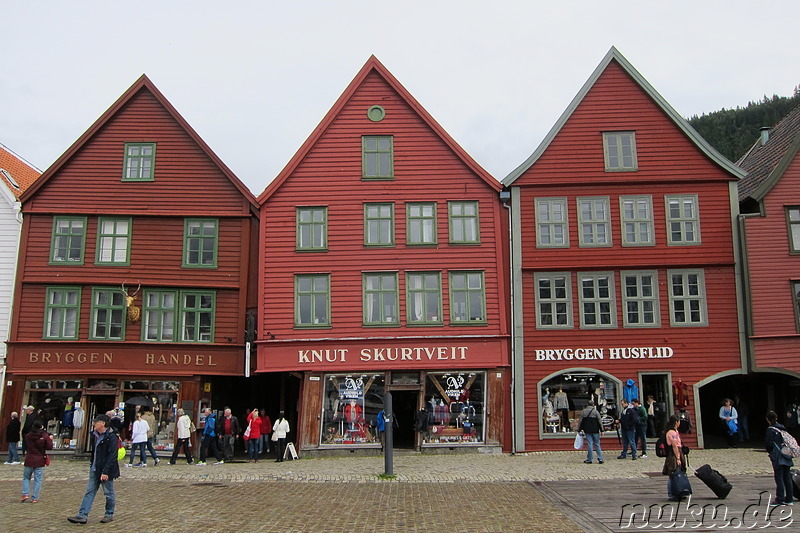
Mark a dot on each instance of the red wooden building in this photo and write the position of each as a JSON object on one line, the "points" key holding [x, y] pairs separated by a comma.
{"points": [[771, 242], [381, 269], [623, 264], [133, 274]]}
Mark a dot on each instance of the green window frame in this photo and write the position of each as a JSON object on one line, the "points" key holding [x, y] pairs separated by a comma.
{"points": [[640, 299], [312, 228], [636, 216], [421, 223], [62, 313], [113, 241], [594, 221], [312, 297], [424, 298], [687, 298], [200, 242], [109, 313], [683, 219], [379, 224], [377, 157], [197, 316], [464, 222], [552, 229], [140, 159], [793, 225], [159, 314], [553, 300], [68, 241], [596, 299], [380, 299], [467, 298], [619, 150]]}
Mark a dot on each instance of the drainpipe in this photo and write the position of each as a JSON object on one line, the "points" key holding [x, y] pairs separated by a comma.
{"points": [[505, 199]]}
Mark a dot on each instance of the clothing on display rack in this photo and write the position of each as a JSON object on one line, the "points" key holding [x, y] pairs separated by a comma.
{"points": [[630, 390]]}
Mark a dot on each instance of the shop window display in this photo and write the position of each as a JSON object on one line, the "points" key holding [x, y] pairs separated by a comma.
{"points": [[55, 403], [454, 408], [350, 408], [564, 397], [163, 395]]}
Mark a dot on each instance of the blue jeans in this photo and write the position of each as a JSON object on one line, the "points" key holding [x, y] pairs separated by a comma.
{"points": [[13, 455], [628, 440], [151, 449], [142, 447], [91, 490], [593, 442], [252, 448], [783, 483], [38, 474]]}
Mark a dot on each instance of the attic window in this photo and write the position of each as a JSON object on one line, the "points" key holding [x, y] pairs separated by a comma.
{"points": [[11, 180], [619, 148], [376, 113], [139, 162]]}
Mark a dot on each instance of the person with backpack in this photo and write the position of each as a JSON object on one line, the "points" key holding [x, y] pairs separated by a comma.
{"points": [[590, 426], [781, 464], [641, 427]]}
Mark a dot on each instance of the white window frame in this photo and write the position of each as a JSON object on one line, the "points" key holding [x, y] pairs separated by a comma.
{"points": [[614, 149], [547, 222], [699, 297], [595, 301], [636, 221], [594, 227], [683, 221], [640, 299], [553, 301]]}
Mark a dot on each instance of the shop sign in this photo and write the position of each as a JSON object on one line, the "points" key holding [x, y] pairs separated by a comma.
{"points": [[351, 389], [591, 354], [377, 355], [107, 358]]}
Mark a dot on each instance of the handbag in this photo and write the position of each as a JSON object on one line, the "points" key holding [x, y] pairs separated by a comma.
{"points": [[274, 437], [247, 431], [46, 460], [579, 439]]}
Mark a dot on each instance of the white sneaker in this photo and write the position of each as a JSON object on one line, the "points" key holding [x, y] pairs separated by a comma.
{"points": [[642, 457], [200, 463], [16, 463], [220, 463], [128, 465]]}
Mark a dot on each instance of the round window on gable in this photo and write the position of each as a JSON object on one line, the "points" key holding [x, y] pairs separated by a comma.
{"points": [[376, 113]]}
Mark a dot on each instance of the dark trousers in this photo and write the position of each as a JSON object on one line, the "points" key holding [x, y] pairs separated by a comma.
{"points": [[209, 443], [185, 444], [784, 492], [281, 449], [641, 437]]}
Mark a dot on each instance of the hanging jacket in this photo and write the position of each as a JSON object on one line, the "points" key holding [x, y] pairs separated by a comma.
{"points": [[630, 390]]}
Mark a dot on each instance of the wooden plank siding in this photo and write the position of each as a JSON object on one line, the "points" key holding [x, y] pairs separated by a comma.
{"points": [[772, 269], [669, 163]]}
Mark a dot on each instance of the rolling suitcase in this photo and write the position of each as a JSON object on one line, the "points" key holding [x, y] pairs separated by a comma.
{"points": [[714, 481]]}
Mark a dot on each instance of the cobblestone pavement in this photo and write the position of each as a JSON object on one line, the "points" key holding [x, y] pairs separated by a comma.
{"points": [[466, 493]]}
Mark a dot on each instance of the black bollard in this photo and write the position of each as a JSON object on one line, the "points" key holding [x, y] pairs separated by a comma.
{"points": [[388, 457]]}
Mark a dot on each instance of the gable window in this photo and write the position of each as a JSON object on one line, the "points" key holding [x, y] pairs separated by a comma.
{"points": [[551, 223], [796, 300], [380, 299], [108, 314], [687, 298], [421, 223], [636, 214], [160, 311], [640, 298], [683, 219], [200, 243], [424, 293], [464, 222], [467, 298], [312, 300], [113, 241], [312, 228], [619, 149], [62, 307], [377, 157], [69, 237], [597, 300], [197, 316], [379, 224], [593, 221], [139, 161], [553, 300], [793, 220]]}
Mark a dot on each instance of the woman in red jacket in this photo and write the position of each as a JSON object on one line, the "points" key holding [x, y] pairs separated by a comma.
{"points": [[37, 442], [254, 425]]}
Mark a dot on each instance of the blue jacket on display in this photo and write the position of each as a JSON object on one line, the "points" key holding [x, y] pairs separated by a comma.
{"points": [[630, 390]]}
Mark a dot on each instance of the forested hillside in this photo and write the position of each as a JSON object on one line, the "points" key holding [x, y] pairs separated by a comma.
{"points": [[733, 131]]}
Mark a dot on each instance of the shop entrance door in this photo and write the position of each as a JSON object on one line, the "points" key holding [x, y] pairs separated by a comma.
{"points": [[96, 404], [657, 385], [404, 405]]}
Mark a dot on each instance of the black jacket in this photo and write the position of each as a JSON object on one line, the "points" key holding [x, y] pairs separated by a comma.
{"points": [[235, 429], [28, 425], [104, 456], [12, 431], [590, 421], [629, 419]]}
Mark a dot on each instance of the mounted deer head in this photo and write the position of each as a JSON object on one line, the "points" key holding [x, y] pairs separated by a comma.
{"points": [[134, 313]]}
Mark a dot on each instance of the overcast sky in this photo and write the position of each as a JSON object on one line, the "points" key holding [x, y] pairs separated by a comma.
{"points": [[255, 78]]}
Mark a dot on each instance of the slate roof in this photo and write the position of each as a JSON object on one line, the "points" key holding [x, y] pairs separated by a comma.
{"points": [[16, 173], [766, 164]]}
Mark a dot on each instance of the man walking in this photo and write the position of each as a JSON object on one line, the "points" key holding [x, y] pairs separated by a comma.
{"points": [[590, 425], [184, 425], [209, 439], [228, 432], [149, 417], [641, 427], [104, 469], [27, 426], [12, 438], [628, 420]]}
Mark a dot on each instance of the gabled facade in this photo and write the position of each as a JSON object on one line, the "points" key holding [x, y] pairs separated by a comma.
{"points": [[381, 270], [770, 203], [134, 269], [623, 264]]}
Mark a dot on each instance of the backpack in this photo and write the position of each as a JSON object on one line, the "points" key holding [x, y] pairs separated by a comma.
{"points": [[661, 446], [789, 447]]}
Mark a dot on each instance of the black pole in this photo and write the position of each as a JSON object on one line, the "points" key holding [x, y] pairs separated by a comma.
{"points": [[388, 447]]}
